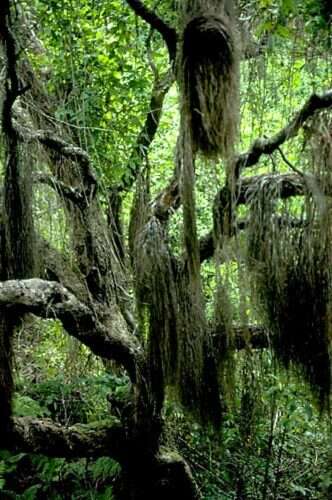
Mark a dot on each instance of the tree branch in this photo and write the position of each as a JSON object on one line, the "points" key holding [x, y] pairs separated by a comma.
{"points": [[49, 299], [169, 197], [66, 150], [160, 89], [167, 468], [31, 435], [167, 32], [244, 337], [167, 200], [286, 186], [252, 336], [267, 146]]}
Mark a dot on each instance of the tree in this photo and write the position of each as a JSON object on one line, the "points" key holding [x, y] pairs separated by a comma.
{"points": [[163, 338]]}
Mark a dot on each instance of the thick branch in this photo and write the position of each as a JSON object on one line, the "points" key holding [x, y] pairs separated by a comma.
{"points": [[290, 185], [267, 146], [165, 474], [252, 336], [49, 299], [167, 32], [48, 438], [286, 186]]}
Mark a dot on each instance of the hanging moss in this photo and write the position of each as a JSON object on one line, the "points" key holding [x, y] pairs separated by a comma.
{"points": [[290, 264], [209, 76], [223, 327], [171, 313]]}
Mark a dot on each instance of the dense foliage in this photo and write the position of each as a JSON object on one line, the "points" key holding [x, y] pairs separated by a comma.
{"points": [[104, 73]]}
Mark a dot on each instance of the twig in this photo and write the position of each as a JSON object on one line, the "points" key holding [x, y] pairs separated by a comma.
{"points": [[289, 163]]}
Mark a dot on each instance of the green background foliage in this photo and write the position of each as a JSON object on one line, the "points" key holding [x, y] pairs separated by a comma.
{"points": [[273, 443]]}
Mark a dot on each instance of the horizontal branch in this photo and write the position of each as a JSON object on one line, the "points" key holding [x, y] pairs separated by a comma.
{"points": [[251, 336], [290, 185], [49, 299], [167, 468], [268, 146], [48, 438], [167, 32], [284, 186], [69, 151]]}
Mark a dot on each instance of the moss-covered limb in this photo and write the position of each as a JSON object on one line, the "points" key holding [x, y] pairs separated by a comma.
{"points": [[286, 186], [49, 299], [54, 440], [314, 104], [58, 144], [167, 32], [159, 477], [93, 242], [267, 146], [17, 252], [291, 278], [69, 151]]}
